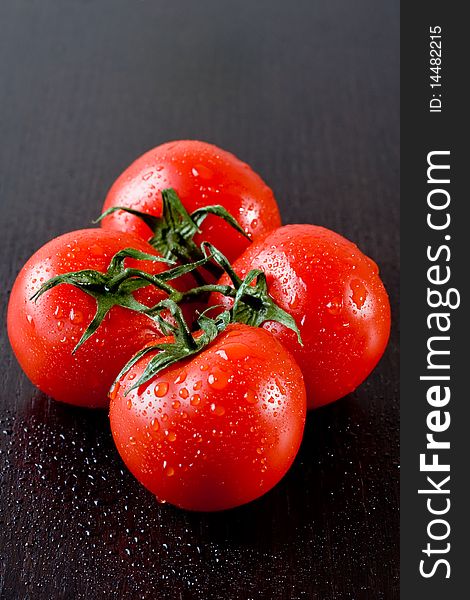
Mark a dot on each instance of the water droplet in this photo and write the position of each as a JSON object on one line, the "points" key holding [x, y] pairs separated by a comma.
{"points": [[161, 389], [114, 390], [218, 379], [176, 404], [169, 471], [171, 436], [335, 306], [195, 400], [154, 424], [294, 301], [359, 292], [251, 397], [202, 171], [181, 377], [147, 176], [75, 316], [236, 351], [222, 354], [129, 404], [184, 393], [282, 389], [217, 409]]}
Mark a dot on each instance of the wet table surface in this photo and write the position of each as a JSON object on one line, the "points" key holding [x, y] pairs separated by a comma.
{"points": [[306, 92]]}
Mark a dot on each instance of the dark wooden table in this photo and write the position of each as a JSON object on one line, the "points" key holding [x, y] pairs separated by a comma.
{"points": [[305, 91]]}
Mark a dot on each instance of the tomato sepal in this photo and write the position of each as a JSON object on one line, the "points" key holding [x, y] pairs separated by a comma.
{"points": [[185, 344], [117, 285], [174, 231], [252, 304]]}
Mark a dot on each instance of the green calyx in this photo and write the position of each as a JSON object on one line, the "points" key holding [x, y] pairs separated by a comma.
{"points": [[184, 344], [117, 285], [174, 231], [252, 304]]}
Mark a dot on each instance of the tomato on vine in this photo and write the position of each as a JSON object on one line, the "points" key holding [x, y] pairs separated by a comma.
{"points": [[202, 175], [72, 339], [335, 295], [210, 421]]}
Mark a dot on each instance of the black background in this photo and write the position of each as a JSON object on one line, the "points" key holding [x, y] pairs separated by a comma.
{"points": [[307, 93]]}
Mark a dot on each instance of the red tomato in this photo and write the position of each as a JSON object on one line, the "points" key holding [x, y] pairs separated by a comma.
{"points": [[44, 333], [337, 298], [216, 430], [202, 175]]}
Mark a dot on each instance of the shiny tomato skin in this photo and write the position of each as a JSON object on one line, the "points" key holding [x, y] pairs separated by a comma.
{"points": [[217, 430], [201, 174], [44, 333], [337, 298]]}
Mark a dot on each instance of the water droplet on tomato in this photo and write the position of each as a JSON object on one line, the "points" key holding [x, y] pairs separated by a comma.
{"points": [[169, 471], [251, 397], [335, 306], [236, 351], [171, 436], [282, 389], [218, 379], [222, 354], [184, 393], [195, 400], [359, 293], [75, 316], [161, 389], [176, 404], [181, 377], [202, 171], [294, 301], [146, 176], [129, 404], [154, 424], [217, 410], [114, 390]]}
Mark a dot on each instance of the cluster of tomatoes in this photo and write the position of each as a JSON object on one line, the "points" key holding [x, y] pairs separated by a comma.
{"points": [[206, 326]]}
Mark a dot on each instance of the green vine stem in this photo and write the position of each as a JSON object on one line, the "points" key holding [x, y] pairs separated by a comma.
{"points": [[117, 285], [173, 232], [252, 303], [183, 345]]}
